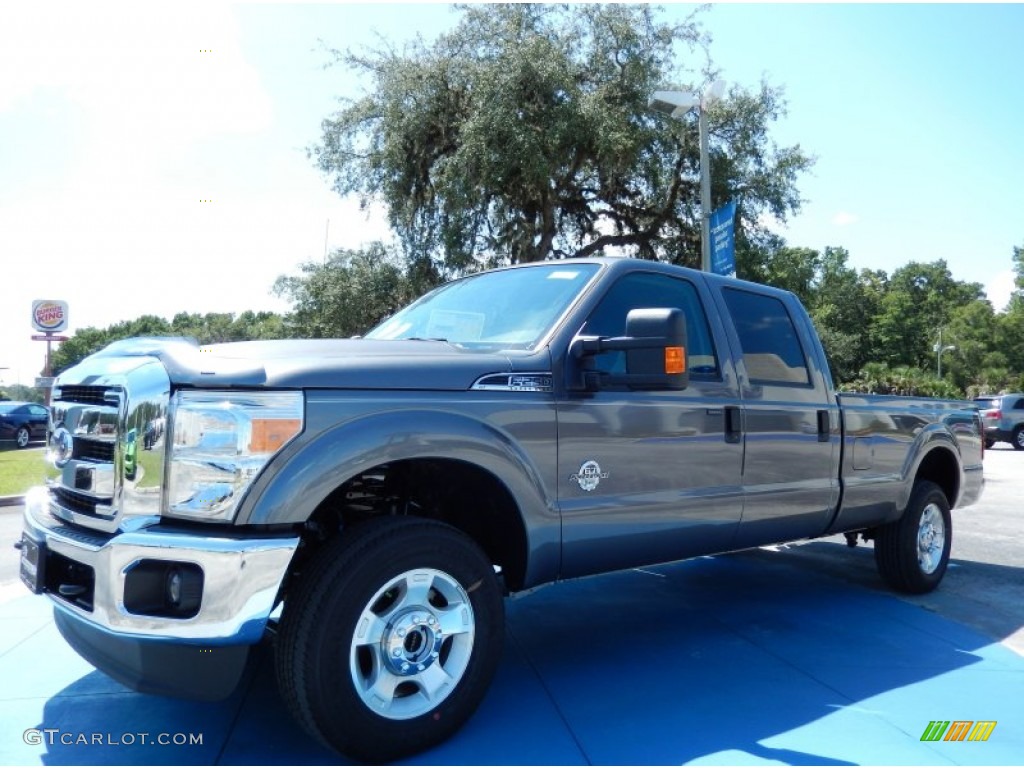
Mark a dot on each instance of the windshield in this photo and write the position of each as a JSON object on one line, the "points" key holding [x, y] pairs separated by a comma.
{"points": [[512, 308]]}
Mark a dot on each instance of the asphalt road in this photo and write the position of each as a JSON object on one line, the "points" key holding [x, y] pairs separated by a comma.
{"points": [[982, 588]]}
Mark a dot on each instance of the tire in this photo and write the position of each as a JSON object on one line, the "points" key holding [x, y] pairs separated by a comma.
{"points": [[391, 638], [912, 553], [989, 443], [1018, 437], [22, 437]]}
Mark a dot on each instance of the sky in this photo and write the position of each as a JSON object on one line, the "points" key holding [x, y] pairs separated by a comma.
{"points": [[153, 156]]}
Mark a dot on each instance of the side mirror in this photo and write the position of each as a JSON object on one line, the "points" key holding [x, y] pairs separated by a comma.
{"points": [[655, 347]]}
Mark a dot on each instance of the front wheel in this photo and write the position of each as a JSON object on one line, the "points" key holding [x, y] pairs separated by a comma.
{"points": [[912, 553], [22, 437], [391, 639]]}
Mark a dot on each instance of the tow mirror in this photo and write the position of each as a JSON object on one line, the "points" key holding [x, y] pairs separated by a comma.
{"points": [[655, 347]]}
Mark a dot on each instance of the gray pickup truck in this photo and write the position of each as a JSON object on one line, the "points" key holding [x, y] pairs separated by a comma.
{"points": [[368, 502]]}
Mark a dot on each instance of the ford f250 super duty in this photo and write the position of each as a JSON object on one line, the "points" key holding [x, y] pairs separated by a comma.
{"points": [[371, 500]]}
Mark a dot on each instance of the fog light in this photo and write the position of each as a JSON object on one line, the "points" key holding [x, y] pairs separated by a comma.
{"points": [[174, 580], [163, 588], [183, 589]]}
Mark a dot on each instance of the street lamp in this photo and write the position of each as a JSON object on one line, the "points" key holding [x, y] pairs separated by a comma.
{"points": [[676, 104], [938, 349]]}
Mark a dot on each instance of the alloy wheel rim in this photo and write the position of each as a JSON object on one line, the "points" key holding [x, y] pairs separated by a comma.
{"points": [[412, 644], [931, 539]]}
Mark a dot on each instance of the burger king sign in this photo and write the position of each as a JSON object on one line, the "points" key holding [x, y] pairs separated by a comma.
{"points": [[49, 316]]}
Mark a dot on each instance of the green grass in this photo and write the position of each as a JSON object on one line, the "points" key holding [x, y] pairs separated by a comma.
{"points": [[20, 469], [150, 463]]}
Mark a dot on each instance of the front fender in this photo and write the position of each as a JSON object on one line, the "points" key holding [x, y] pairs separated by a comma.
{"points": [[298, 480]]}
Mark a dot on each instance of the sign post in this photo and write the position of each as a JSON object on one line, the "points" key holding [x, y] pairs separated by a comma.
{"points": [[49, 317]]}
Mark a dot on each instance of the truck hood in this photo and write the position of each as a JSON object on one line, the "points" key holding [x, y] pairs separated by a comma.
{"points": [[323, 363]]}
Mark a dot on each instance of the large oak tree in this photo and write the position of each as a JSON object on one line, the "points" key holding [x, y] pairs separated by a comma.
{"points": [[524, 134]]}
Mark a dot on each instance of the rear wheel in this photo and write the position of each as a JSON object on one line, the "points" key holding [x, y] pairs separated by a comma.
{"points": [[1018, 438], [912, 553], [22, 437], [391, 639]]}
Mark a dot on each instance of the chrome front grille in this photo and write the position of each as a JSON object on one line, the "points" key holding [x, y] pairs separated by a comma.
{"points": [[83, 503], [86, 394], [107, 441], [94, 450]]}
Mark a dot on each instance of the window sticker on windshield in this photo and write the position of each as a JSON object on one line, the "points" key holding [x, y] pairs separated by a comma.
{"points": [[455, 326], [563, 275]]}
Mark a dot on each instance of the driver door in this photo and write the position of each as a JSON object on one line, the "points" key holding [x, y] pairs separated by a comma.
{"points": [[650, 476]]}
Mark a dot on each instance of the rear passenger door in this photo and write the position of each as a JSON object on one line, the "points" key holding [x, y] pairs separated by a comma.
{"points": [[790, 420]]}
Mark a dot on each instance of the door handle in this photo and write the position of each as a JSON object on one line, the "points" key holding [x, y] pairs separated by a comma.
{"points": [[824, 427], [733, 424]]}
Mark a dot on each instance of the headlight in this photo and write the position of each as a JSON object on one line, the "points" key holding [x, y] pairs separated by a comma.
{"points": [[221, 442]]}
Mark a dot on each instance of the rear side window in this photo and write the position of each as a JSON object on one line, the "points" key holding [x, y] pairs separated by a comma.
{"points": [[1019, 405], [647, 289], [768, 339]]}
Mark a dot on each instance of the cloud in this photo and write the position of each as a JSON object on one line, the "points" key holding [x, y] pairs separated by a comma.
{"points": [[116, 226], [142, 72], [999, 289], [845, 219]]}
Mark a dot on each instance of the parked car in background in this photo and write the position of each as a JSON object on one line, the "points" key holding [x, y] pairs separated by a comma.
{"points": [[23, 422], [1004, 418]]}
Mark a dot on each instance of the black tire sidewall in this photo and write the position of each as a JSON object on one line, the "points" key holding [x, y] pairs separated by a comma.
{"points": [[903, 571], [341, 717]]}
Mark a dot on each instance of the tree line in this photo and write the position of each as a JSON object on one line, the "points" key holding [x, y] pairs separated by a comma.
{"points": [[524, 134]]}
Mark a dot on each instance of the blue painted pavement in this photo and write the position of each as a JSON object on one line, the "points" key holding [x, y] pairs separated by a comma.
{"points": [[746, 659]]}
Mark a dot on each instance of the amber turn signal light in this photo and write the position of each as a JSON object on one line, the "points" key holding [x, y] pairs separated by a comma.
{"points": [[675, 360]]}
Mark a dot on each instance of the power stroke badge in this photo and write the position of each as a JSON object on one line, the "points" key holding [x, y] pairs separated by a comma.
{"points": [[589, 475]]}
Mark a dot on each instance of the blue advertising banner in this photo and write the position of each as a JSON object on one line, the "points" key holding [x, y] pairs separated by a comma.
{"points": [[723, 240]]}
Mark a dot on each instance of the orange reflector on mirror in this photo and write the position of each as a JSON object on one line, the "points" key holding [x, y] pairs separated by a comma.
{"points": [[675, 360]]}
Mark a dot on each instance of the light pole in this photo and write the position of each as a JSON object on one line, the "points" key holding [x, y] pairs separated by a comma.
{"points": [[676, 104], [938, 349]]}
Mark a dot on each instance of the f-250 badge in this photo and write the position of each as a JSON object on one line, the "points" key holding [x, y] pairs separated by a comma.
{"points": [[589, 476]]}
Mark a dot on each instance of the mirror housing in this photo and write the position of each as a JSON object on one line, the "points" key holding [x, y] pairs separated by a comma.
{"points": [[655, 347]]}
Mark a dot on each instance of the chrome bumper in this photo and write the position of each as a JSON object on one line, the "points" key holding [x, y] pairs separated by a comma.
{"points": [[241, 577]]}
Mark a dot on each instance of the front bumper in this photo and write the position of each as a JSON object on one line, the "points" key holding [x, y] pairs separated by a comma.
{"points": [[94, 581]]}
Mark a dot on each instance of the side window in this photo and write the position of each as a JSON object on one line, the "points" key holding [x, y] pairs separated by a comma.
{"points": [[37, 410], [647, 289], [768, 339], [1019, 405]]}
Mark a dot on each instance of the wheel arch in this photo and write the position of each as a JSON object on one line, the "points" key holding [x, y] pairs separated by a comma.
{"points": [[499, 500], [941, 466]]}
